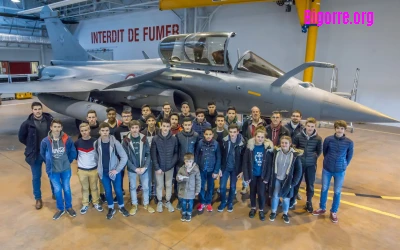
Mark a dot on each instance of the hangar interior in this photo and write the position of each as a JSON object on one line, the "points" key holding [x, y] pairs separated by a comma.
{"points": [[365, 54]]}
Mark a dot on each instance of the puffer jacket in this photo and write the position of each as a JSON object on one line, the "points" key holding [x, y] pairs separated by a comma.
{"points": [[312, 146], [187, 142], [282, 132], [239, 147], [296, 131], [338, 153], [189, 187], [164, 152], [293, 173], [118, 157], [144, 154], [200, 127], [208, 156], [248, 159], [27, 135]]}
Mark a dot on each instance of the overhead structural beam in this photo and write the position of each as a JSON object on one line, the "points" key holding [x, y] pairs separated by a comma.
{"points": [[52, 6], [179, 4]]}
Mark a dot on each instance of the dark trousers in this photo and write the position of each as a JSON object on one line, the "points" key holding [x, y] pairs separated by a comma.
{"points": [[206, 195], [257, 187], [309, 176], [223, 182]]}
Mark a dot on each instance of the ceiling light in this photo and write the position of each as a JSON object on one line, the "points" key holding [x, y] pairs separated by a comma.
{"points": [[15, 1]]}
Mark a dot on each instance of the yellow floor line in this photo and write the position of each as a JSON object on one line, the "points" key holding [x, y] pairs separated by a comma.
{"points": [[353, 194], [390, 198], [362, 207], [331, 192]]}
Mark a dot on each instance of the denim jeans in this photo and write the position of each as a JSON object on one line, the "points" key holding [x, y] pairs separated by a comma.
{"points": [[187, 206], [206, 195], [338, 179], [275, 198], [117, 188], [61, 183], [144, 178], [224, 181], [36, 169]]}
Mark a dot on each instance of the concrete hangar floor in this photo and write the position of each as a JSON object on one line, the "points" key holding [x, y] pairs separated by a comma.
{"points": [[365, 222]]}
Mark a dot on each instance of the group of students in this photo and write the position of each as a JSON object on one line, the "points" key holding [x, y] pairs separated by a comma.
{"points": [[189, 153]]}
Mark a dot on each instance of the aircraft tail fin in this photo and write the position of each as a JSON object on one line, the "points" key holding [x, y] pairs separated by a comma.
{"points": [[145, 55], [65, 46]]}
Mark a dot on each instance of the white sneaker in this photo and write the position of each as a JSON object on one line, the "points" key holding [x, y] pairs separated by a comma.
{"points": [[160, 207], [98, 207], [169, 206]]}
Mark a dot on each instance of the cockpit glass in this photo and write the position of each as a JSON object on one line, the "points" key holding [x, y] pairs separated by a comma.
{"points": [[251, 62], [209, 50]]}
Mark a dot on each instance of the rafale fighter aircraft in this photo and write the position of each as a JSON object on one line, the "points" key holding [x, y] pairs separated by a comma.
{"points": [[192, 67]]}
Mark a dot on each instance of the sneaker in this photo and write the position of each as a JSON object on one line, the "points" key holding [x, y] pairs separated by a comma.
{"points": [[334, 217], [244, 190], [84, 209], [159, 207], [308, 207], [133, 210], [272, 216], [188, 217], [124, 212], [139, 188], [179, 206], [103, 198], [261, 214], [252, 213], [183, 218], [230, 208], [200, 207], [319, 211], [291, 205], [209, 208], [110, 214], [221, 207], [71, 212], [90, 198], [115, 200], [285, 218], [58, 214], [298, 196], [98, 207], [169, 206], [53, 197], [149, 209]]}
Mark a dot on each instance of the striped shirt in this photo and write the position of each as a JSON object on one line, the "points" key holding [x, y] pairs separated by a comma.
{"points": [[86, 154]]}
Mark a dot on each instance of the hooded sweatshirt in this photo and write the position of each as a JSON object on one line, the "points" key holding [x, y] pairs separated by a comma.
{"points": [[59, 154]]}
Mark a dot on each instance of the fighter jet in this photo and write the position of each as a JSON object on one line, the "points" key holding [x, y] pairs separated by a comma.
{"points": [[192, 67]]}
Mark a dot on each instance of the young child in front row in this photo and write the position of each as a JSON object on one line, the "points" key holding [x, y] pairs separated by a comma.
{"points": [[189, 182]]}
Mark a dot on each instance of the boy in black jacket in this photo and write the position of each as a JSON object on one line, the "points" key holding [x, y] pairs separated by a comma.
{"points": [[164, 155]]}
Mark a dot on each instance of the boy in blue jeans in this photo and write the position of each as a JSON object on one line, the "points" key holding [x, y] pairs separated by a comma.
{"points": [[189, 182], [208, 157], [58, 151], [338, 152]]}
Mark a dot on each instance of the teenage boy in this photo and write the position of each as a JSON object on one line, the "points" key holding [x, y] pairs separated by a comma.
{"points": [[219, 131], [58, 151], [231, 118], [211, 114], [150, 131], [187, 141], [250, 125], [338, 152], [275, 131], [208, 157], [164, 114], [175, 126], [233, 148], [294, 126], [91, 119], [145, 112], [309, 141], [87, 168], [164, 155], [200, 124], [112, 120], [111, 159], [138, 150], [31, 133], [185, 113]]}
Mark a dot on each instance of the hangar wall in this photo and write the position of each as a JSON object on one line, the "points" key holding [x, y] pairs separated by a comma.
{"points": [[25, 54]]}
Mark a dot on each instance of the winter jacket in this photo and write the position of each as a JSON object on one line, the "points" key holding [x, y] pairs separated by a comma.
{"points": [[144, 154], [187, 142], [224, 134], [160, 117], [296, 131], [164, 152], [293, 173], [312, 146], [47, 153], [200, 127], [239, 147], [27, 135], [118, 157], [176, 130], [282, 132], [211, 118], [338, 153], [248, 159], [208, 154], [121, 132], [235, 121], [189, 187], [247, 128], [181, 117], [143, 123]]}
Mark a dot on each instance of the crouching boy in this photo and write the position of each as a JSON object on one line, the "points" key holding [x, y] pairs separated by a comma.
{"points": [[189, 182], [138, 150]]}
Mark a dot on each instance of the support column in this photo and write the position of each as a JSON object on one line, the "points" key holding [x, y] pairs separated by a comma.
{"points": [[311, 43]]}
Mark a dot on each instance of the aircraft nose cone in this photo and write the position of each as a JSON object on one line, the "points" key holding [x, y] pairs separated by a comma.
{"points": [[336, 107]]}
